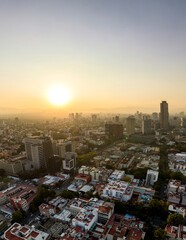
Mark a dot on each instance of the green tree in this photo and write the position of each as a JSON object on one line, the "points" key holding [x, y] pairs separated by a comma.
{"points": [[17, 216], [175, 219], [177, 175], [2, 172], [159, 234], [6, 180], [126, 179], [158, 208], [139, 173], [69, 194]]}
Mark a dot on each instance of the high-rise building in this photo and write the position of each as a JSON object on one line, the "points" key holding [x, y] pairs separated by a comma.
{"points": [[64, 147], [114, 130], [146, 125], [130, 125], [164, 115], [38, 150], [54, 164]]}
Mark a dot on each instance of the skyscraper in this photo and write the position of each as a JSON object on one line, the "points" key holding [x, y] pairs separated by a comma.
{"points": [[146, 125], [164, 115], [38, 150], [130, 125], [114, 130]]}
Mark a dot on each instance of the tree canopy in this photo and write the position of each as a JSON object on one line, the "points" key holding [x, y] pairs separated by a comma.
{"points": [[175, 219]]}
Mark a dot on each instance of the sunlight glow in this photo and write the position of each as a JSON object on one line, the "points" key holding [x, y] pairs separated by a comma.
{"points": [[58, 95]]}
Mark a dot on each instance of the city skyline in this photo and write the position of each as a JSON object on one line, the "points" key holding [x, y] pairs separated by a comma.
{"points": [[112, 57]]}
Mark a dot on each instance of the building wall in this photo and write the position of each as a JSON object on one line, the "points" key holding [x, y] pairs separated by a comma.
{"points": [[10, 167]]}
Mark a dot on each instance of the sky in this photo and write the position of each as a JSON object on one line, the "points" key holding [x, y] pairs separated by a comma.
{"points": [[119, 55]]}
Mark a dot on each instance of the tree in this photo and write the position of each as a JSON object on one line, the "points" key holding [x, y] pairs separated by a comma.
{"points": [[17, 216], [2, 172], [6, 180], [109, 166], [175, 219], [69, 194], [159, 234], [139, 173], [158, 208], [126, 179], [177, 175]]}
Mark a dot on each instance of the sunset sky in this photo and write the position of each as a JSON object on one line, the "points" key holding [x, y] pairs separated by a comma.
{"points": [[119, 55]]}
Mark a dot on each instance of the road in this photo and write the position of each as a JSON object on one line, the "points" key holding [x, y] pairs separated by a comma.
{"points": [[64, 186]]}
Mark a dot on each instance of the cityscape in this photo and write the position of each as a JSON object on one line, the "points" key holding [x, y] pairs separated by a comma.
{"points": [[93, 120]]}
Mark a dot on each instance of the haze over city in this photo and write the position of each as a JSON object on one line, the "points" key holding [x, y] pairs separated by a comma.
{"points": [[92, 120], [109, 56]]}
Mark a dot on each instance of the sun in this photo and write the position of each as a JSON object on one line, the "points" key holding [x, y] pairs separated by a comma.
{"points": [[58, 96]]}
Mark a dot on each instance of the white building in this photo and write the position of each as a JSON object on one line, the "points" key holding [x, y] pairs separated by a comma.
{"points": [[116, 175], [18, 232], [69, 162], [118, 190], [152, 177]]}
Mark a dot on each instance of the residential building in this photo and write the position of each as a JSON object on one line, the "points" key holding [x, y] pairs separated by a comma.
{"points": [[146, 126], [118, 190], [69, 162], [116, 175], [152, 177], [20, 196], [114, 130], [18, 232], [3, 226], [64, 147]]}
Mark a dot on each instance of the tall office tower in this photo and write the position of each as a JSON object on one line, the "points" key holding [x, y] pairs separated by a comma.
{"points": [[130, 125], [114, 130], [38, 150], [146, 126], [69, 162], [164, 115]]}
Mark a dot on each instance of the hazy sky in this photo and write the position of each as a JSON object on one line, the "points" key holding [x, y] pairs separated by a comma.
{"points": [[121, 55]]}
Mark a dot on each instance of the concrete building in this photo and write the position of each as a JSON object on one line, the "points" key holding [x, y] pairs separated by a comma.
{"points": [[64, 147], [116, 175], [164, 115], [130, 125], [18, 232], [47, 210], [69, 162], [38, 150], [20, 196], [114, 130], [118, 190], [152, 177], [11, 166], [98, 174], [146, 126]]}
